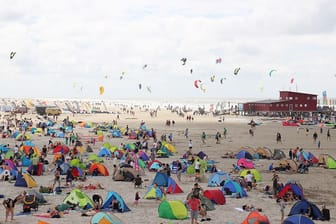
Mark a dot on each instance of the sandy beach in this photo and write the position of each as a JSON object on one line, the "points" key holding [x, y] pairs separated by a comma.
{"points": [[318, 184]]}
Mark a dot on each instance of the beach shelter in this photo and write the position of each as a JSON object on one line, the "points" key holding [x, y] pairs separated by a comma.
{"points": [[42, 222], [327, 160], [255, 217], [204, 200], [100, 168], [245, 163], [116, 133], [244, 154], [154, 193], [312, 158], [201, 154], [264, 152], [161, 179], [105, 218], [77, 162], [104, 152], [61, 149], [215, 195], [95, 159], [25, 180], [169, 146], [304, 207], [76, 196], [296, 189], [191, 168], [298, 219], [218, 178], [173, 209], [278, 154], [22, 137], [173, 187], [124, 174], [114, 195], [234, 187], [288, 162], [256, 174], [77, 172], [39, 197]]}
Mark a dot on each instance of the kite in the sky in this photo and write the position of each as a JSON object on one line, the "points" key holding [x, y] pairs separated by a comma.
{"points": [[105, 76], [270, 73], [202, 87], [149, 89], [218, 60], [197, 83], [184, 61], [12, 54], [101, 90], [191, 71], [222, 80], [140, 86], [122, 75], [235, 72], [212, 78], [145, 66], [292, 81]]}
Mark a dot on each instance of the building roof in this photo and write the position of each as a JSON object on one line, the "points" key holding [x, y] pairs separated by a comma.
{"points": [[298, 93], [267, 101]]}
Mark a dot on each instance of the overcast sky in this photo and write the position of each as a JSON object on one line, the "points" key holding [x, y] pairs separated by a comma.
{"points": [[68, 49]]}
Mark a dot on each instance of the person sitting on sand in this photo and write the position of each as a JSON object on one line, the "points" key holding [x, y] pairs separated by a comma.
{"points": [[115, 205], [97, 201]]}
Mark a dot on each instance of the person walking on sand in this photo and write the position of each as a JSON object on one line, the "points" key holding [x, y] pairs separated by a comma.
{"points": [[136, 198], [328, 135], [203, 137], [186, 133], [225, 132]]}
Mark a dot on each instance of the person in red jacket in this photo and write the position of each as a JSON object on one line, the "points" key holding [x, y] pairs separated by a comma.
{"points": [[194, 205]]}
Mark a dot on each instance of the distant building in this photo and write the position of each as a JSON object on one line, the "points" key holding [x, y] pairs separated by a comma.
{"points": [[289, 104]]}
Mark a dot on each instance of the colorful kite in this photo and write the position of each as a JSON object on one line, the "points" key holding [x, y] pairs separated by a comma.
{"points": [[270, 73], [218, 60], [197, 83], [212, 78], [292, 81], [12, 54], [235, 72], [184, 61], [101, 90]]}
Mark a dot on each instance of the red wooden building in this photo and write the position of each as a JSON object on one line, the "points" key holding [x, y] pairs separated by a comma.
{"points": [[289, 102]]}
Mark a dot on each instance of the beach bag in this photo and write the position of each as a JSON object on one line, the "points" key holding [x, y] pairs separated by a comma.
{"points": [[326, 214]]}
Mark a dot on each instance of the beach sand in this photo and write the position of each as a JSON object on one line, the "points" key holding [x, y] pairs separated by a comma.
{"points": [[319, 184]]}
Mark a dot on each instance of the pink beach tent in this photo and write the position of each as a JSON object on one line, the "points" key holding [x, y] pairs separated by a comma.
{"points": [[248, 164]]}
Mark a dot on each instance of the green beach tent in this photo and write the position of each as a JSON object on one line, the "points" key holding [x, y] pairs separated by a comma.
{"points": [[256, 174], [173, 209], [76, 196]]}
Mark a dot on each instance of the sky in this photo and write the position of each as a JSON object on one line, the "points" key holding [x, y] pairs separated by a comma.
{"points": [[69, 49]]}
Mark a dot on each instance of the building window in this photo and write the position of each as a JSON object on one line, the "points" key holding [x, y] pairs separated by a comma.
{"points": [[300, 105], [296, 98], [296, 105], [305, 105], [290, 98], [282, 105], [286, 104], [308, 98], [271, 105], [277, 105], [286, 97], [314, 98]]}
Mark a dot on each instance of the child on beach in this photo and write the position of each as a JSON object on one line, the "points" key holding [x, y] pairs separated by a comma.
{"points": [[136, 198]]}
